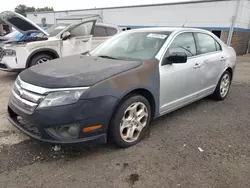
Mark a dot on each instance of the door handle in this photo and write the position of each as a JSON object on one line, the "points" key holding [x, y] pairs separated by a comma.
{"points": [[85, 39], [196, 66], [222, 59]]}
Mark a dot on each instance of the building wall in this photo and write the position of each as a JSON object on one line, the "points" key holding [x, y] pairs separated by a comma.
{"points": [[240, 42], [215, 15], [243, 18], [37, 17], [241, 36], [205, 14], [193, 15]]}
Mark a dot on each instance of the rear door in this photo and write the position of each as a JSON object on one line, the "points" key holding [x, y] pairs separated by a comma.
{"points": [[212, 61]]}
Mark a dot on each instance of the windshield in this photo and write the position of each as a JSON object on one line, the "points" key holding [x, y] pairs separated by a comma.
{"points": [[139, 45], [54, 30]]}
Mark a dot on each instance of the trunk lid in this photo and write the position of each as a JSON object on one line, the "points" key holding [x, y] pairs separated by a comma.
{"points": [[75, 71], [21, 23]]}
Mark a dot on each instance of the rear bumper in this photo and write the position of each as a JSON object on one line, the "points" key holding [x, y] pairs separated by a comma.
{"points": [[84, 113]]}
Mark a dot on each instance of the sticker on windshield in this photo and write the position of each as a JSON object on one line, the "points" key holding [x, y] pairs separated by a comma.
{"points": [[60, 27], [158, 36]]}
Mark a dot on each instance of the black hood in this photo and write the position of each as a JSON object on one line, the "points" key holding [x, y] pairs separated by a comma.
{"points": [[75, 71]]}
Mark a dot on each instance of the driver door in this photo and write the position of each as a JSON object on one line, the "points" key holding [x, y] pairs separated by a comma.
{"points": [[180, 83], [80, 39]]}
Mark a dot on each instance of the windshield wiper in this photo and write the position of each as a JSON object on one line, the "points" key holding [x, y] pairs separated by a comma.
{"points": [[106, 56]]}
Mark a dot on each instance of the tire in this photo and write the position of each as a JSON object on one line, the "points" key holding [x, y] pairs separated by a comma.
{"points": [[39, 59], [218, 94], [131, 110]]}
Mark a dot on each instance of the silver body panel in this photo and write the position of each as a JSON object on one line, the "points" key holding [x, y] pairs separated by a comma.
{"points": [[182, 84]]}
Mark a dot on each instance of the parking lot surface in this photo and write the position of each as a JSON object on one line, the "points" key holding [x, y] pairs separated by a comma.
{"points": [[203, 145]]}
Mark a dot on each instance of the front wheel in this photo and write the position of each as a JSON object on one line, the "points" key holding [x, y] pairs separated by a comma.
{"points": [[222, 87], [130, 121], [39, 59]]}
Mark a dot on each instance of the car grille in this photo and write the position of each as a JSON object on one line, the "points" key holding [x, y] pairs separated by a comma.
{"points": [[26, 100], [30, 127], [3, 66], [22, 123], [1, 53]]}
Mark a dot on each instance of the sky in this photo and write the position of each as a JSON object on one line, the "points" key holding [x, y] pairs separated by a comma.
{"points": [[77, 4]]}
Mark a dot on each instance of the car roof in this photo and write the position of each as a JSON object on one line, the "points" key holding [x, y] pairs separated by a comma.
{"points": [[78, 16], [106, 25], [169, 29]]}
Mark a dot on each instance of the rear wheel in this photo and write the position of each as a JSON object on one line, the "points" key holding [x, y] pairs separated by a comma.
{"points": [[39, 59], [222, 87], [130, 121]]}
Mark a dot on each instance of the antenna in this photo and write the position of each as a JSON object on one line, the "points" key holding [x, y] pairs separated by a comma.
{"points": [[184, 23]]}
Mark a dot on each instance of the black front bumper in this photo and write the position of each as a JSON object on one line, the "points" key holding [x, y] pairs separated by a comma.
{"points": [[85, 113]]}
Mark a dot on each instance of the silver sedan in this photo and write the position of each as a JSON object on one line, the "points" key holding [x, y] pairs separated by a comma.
{"points": [[115, 90]]}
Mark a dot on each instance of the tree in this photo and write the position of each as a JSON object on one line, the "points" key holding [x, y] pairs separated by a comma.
{"points": [[23, 9], [44, 9]]}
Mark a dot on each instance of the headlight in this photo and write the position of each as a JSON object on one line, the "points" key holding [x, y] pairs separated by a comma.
{"points": [[9, 52], [61, 98]]}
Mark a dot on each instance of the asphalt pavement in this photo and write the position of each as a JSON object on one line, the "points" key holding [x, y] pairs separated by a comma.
{"points": [[203, 145]]}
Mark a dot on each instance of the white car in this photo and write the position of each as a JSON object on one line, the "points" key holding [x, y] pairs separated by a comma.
{"points": [[60, 40]]}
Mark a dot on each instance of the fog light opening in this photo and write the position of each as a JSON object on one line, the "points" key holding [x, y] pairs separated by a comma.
{"points": [[70, 131], [73, 130]]}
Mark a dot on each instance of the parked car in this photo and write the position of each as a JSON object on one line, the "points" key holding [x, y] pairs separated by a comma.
{"points": [[60, 40], [115, 90]]}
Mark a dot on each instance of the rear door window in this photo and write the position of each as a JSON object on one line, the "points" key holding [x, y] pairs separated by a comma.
{"points": [[100, 31], [111, 31], [206, 43]]}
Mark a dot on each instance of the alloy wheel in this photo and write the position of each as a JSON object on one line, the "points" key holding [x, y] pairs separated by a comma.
{"points": [[224, 85], [133, 121], [42, 60]]}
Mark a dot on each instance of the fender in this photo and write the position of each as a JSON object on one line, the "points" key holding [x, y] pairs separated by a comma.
{"points": [[154, 102], [56, 55]]}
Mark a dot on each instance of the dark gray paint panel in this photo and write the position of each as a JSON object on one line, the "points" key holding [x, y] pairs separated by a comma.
{"points": [[75, 71], [145, 77]]}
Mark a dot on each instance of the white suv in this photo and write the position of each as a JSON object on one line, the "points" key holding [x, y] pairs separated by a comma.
{"points": [[60, 40]]}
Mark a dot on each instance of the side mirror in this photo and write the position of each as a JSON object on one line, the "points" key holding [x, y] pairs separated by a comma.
{"points": [[176, 57], [65, 35]]}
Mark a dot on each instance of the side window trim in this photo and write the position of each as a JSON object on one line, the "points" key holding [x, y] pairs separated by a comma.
{"points": [[218, 44], [196, 45], [106, 31], [165, 47]]}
